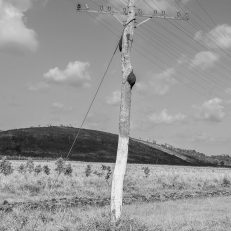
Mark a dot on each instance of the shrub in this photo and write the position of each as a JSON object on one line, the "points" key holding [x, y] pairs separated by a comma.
{"points": [[88, 170], [60, 165], [103, 167], [99, 174], [22, 168], [30, 165], [38, 169], [146, 171], [5, 167], [109, 172], [68, 170], [46, 169], [226, 181]]}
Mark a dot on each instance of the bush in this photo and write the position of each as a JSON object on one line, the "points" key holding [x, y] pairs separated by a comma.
{"points": [[109, 172], [60, 165], [226, 182], [6, 167], [68, 170], [88, 170], [38, 169], [146, 171], [22, 168], [99, 174], [30, 165], [46, 169]]}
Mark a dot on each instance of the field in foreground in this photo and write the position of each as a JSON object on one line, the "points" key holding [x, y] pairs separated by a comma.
{"points": [[207, 214], [156, 182], [159, 186]]}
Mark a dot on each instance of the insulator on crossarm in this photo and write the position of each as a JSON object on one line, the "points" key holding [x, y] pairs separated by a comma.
{"points": [[101, 8], [139, 11], [178, 14], [155, 11], [124, 10], [163, 12], [78, 6], [109, 8], [186, 15]]}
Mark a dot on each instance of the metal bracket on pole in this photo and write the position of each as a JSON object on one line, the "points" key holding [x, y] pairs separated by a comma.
{"points": [[143, 22]]}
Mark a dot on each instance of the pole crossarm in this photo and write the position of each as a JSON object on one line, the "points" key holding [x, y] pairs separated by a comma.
{"points": [[139, 14], [162, 16], [102, 12]]}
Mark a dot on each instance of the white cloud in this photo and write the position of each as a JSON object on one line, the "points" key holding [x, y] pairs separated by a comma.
{"points": [[164, 118], [76, 74], [204, 60], [14, 35], [40, 87], [57, 107], [114, 99], [160, 83], [211, 110], [220, 36], [140, 86]]}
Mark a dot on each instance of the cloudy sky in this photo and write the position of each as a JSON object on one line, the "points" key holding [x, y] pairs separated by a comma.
{"points": [[52, 60]]}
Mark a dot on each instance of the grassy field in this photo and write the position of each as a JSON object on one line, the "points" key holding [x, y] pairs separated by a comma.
{"points": [[160, 181], [161, 186], [211, 214]]}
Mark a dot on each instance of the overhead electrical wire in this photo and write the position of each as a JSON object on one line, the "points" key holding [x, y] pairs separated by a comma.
{"points": [[197, 70], [206, 35], [191, 38], [200, 17], [166, 64], [152, 55]]}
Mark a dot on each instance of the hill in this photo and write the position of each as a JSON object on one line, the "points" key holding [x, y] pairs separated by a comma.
{"points": [[91, 145]]}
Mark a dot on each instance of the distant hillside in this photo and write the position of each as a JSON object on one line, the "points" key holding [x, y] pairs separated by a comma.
{"points": [[91, 145], [95, 146]]}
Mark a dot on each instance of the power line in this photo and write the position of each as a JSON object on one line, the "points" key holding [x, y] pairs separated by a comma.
{"points": [[165, 64], [190, 36], [167, 45]]}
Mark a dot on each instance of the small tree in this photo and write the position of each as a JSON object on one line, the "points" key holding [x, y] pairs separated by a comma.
{"points": [[38, 169], [5, 166], [22, 168], [146, 171], [88, 170], [109, 172], [30, 165], [59, 165], [46, 170], [68, 170]]}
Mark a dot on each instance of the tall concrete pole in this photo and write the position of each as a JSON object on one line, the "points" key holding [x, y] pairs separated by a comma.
{"points": [[124, 118]]}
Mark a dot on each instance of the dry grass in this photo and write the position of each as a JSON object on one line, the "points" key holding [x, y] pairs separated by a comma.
{"points": [[19, 186], [186, 215], [211, 214]]}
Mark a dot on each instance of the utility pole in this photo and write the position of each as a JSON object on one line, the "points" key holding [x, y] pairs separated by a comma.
{"points": [[128, 80]]}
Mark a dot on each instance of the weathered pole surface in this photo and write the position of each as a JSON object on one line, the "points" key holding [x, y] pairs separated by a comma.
{"points": [[124, 118]]}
